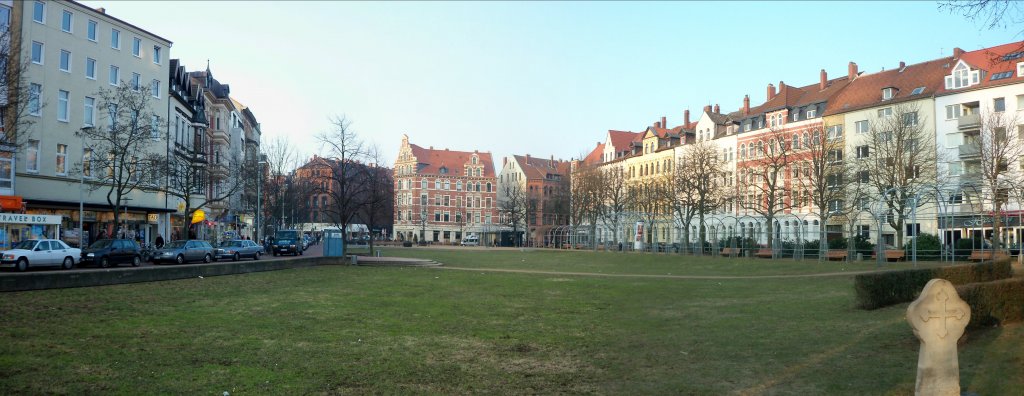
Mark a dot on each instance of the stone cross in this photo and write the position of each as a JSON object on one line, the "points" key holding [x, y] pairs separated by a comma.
{"points": [[938, 317]]}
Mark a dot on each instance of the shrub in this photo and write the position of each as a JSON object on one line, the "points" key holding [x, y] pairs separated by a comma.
{"points": [[928, 247], [407, 244], [882, 289], [994, 303]]}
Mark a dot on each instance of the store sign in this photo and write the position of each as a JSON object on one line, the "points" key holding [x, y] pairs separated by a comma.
{"points": [[14, 218], [153, 218]]}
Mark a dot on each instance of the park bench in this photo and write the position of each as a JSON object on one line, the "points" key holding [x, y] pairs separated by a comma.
{"points": [[764, 253], [983, 255], [729, 252], [836, 255], [895, 255]]}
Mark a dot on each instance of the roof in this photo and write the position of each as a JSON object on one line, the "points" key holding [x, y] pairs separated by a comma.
{"points": [[621, 139], [866, 90], [104, 13], [595, 155], [539, 168], [433, 160], [993, 60], [790, 96]]}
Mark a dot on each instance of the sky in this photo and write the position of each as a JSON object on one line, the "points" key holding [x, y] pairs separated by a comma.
{"points": [[538, 78]]}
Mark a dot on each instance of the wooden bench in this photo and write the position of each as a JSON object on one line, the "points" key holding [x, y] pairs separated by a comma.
{"points": [[985, 255], [764, 253], [729, 252], [895, 255], [836, 255]]}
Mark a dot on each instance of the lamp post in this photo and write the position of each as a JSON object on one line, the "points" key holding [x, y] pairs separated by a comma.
{"points": [[81, 192], [259, 184]]}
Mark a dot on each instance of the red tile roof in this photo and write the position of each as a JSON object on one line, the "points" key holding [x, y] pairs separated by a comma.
{"points": [[992, 62], [432, 160], [790, 96], [595, 156], [621, 140], [539, 168], [866, 90]]}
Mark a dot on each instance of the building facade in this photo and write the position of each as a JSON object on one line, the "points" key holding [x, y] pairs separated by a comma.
{"points": [[544, 183]]}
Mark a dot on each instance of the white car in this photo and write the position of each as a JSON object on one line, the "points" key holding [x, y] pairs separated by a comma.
{"points": [[40, 253]]}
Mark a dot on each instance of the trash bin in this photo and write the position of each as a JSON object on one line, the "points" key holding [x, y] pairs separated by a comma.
{"points": [[355, 260]]}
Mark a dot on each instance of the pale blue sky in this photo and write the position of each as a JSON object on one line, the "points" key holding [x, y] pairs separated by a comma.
{"points": [[542, 78]]}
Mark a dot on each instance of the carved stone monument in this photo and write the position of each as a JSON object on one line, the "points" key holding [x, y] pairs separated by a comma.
{"points": [[938, 317]]}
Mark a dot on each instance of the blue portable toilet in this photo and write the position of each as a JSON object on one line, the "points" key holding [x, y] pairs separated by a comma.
{"points": [[334, 243]]}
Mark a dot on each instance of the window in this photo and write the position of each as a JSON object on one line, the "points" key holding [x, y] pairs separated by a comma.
{"points": [[115, 39], [886, 112], [115, 75], [34, 107], [835, 132], [887, 93], [65, 21], [135, 81], [87, 162], [136, 46], [62, 163], [861, 126], [90, 68], [65, 61], [156, 54], [796, 115], [154, 88], [917, 91], [811, 113], [953, 112], [62, 105], [864, 176], [1001, 76], [90, 31], [32, 156], [39, 12], [89, 115], [999, 105], [37, 52], [910, 119], [154, 131], [863, 151], [1020, 69]]}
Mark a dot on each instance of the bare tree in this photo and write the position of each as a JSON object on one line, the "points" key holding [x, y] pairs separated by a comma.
{"points": [[347, 176], [649, 200], [615, 198], [706, 171], [18, 98], [763, 178], [379, 193], [680, 194], [281, 158], [585, 195], [991, 13], [998, 148], [513, 206], [118, 156], [902, 162], [827, 177], [188, 178]]}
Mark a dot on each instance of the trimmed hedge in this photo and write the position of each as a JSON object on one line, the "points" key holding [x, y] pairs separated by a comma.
{"points": [[994, 303], [882, 289]]}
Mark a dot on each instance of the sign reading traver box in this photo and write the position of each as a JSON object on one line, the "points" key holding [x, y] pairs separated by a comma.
{"points": [[16, 218]]}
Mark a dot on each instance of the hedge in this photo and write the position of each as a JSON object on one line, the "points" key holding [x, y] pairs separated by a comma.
{"points": [[881, 289], [994, 303]]}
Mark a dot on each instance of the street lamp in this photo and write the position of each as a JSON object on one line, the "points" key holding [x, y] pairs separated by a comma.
{"points": [[81, 191], [259, 184], [423, 227]]}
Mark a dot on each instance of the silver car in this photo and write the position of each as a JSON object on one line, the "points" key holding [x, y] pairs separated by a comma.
{"points": [[184, 251], [238, 248]]}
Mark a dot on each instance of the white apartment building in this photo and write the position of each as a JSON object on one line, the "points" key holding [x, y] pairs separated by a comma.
{"points": [[75, 51]]}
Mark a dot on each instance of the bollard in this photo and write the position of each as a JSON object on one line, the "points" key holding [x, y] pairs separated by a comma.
{"points": [[355, 260], [860, 256]]}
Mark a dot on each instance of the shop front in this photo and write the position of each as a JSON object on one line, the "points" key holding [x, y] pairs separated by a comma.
{"points": [[16, 227]]}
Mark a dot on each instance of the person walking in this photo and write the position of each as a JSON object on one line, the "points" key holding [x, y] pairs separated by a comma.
{"points": [[159, 242]]}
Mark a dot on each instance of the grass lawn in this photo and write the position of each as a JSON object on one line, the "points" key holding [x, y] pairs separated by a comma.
{"points": [[341, 329]]}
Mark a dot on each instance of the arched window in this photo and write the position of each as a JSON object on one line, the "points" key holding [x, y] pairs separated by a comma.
{"points": [[807, 140], [796, 141], [743, 151], [423, 184], [760, 148], [477, 186], [474, 160], [447, 185], [437, 184], [488, 186], [816, 137]]}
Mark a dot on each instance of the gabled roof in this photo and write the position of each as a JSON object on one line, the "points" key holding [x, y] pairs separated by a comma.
{"points": [[622, 140], [595, 155], [993, 60], [866, 90], [790, 96], [432, 161], [539, 168]]}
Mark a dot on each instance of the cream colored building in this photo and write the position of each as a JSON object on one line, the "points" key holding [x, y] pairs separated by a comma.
{"points": [[75, 51]]}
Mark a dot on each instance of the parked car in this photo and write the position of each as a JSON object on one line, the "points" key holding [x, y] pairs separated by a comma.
{"points": [[470, 240], [184, 251], [40, 253], [107, 252], [286, 246], [305, 242], [238, 248]]}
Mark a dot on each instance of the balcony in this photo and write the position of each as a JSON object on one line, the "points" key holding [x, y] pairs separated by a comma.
{"points": [[969, 121], [219, 135], [969, 151]]}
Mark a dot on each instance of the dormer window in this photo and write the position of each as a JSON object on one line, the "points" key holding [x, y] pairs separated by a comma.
{"points": [[962, 77], [887, 93], [811, 113], [1020, 69], [443, 170]]}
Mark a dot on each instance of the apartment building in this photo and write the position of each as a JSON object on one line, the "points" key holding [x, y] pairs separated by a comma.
{"points": [[442, 195], [545, 185], [74, 53]]}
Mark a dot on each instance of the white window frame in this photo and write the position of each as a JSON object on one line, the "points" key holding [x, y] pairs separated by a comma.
{"points": [[154, 88], [61, 65], [63, 105], [156, 54], [953, 111], [995, 109], [857, 126], [87, 163], [117, 75], [92, 30], [115, 39], [90, 62], [885, 112], [33, 148], [42, 53], [71, 21], [61, 159], [89, 111], [42, 17], [136, 81], [812, 113], [136, 47], [887, 93]]}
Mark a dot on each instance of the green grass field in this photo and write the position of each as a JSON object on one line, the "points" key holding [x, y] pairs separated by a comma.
{"points": [[342, 329]]}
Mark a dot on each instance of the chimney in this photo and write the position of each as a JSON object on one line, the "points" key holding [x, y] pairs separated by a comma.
{"points": [[957, 52], [657, 124], [101, 10], [707, 109], [746, 104], [824, 79], [664, 124], [716, 108], [903, 65], [504, 162], [851, 71], [771, 91], [686, 117], [527, 159], [431, 147]]}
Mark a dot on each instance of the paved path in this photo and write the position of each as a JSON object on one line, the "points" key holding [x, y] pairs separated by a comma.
{"points": [[656, 276]]}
